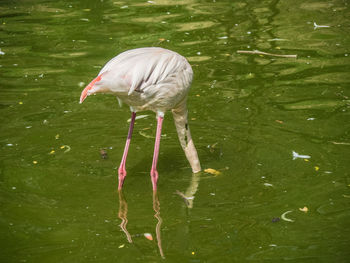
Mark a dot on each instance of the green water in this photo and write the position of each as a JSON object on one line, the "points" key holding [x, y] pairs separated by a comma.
{"points": [[248, 113]]}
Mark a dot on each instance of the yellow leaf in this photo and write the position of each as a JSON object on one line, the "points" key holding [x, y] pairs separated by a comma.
{"points": [[52, 152], [121, 246], [317, 168], [212, 171], [57, 136], [304, 209], [35, 162], [306, 160]]}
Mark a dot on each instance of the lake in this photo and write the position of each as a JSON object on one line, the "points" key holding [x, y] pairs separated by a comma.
{"points": [[272, 132]]}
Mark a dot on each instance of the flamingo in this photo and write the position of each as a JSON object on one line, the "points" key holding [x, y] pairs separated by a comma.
{"points": [[155, 79]]}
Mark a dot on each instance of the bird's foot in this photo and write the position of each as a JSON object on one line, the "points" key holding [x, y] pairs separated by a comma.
{"points": [[121, 177], [154, 178]]}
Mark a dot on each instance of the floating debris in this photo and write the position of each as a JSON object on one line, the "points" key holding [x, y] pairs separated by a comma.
{"points": [[52, 152], [103, 154], [65, 146], [277, 39], [148, 236], [275, 219], [267, 184], [320, 104], [317, 168], [121, 246], [35, 162], [283, 216], [297, 155], [57, 136], [257, 52], [212, 171], [341, 143], [318, 26], [138, 117], [212, 147], [142, 133], [304, 209]]}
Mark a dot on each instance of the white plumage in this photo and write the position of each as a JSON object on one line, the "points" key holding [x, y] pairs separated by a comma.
{"points": [[154, 79]]}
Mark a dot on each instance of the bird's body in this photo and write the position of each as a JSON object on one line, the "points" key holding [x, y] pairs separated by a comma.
{"points": [[154, 79]]}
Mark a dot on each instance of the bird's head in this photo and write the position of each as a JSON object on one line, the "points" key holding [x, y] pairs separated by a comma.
{"points": [[89, 89], [96, 85]]}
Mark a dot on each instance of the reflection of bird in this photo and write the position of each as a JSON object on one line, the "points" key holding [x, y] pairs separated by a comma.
{"points": [[123, 215], [154, 79]]}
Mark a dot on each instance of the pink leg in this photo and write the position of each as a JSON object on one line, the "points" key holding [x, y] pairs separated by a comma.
{"points": [[122, 170], [154, 173]]}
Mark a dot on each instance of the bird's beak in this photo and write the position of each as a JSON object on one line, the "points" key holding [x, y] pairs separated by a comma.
{"points": [[85, 92]]}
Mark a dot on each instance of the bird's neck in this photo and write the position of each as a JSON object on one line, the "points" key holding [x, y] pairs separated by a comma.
{"points": [[183, 131]]}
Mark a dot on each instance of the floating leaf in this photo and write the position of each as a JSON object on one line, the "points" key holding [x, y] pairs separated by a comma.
{"points": [[317, 168], [52, 152], [283, 216], [212, 171], [57, 136], [35, 162], [65, 146], [121, 246], [304, 209]]}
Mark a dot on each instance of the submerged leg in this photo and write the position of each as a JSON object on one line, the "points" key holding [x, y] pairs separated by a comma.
{"points": [[154, 172], [122, 170]]}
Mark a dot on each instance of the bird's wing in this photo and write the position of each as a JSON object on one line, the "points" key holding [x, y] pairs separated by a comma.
{"points": [[140, 68]]}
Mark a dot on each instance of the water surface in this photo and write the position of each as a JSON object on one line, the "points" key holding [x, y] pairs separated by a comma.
{"points": [[248, 113]]}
